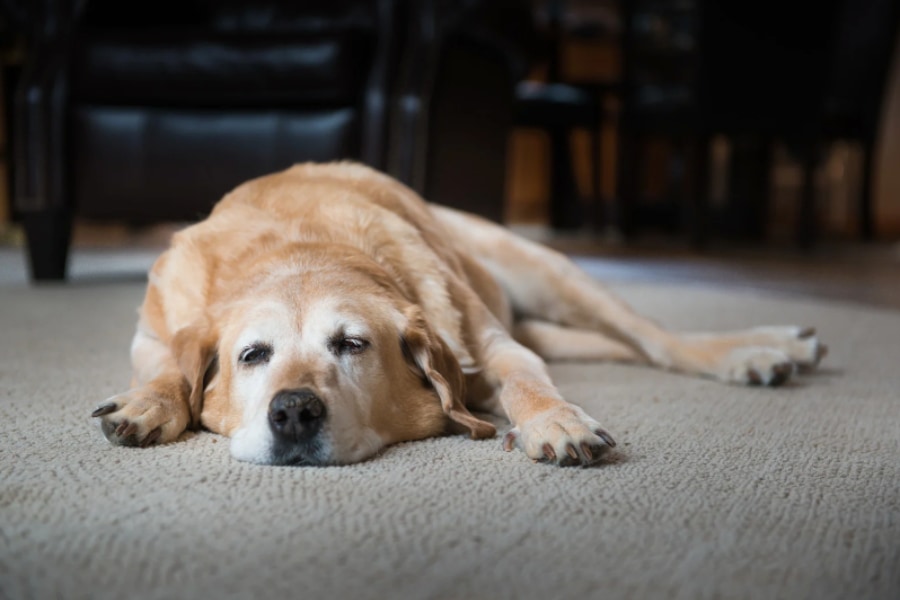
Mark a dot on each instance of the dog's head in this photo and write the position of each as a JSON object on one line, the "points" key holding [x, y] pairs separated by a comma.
{"points": [[323, 367]]}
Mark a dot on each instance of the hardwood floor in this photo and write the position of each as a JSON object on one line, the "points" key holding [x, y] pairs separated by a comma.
{"points": [[867, 274], [861, 273]]}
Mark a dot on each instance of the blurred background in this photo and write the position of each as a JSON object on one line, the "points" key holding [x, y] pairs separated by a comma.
{"points": [[704, 135]]}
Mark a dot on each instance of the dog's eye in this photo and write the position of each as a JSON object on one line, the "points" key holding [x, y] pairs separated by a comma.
{"points": [[255, 354], [348, 345]]}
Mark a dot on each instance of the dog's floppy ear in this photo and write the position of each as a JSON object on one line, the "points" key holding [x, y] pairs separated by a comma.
{"points": [[194, 348], [430, 357]]}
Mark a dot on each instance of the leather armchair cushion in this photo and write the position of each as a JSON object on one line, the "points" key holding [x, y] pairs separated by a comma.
{"points": [[267, 16], [183, 69], [153, 164]]}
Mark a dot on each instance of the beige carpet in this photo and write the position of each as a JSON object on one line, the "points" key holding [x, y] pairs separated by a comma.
{"points": [[718, 492]]}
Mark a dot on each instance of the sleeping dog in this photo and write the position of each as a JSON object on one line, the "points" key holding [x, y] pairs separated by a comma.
{"points": [[325, 312]]}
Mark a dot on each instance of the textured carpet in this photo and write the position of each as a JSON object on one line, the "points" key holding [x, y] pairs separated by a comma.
{"points": [[718, 491]]}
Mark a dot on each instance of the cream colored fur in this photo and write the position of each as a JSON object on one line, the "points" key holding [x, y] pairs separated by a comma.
{"points": [[452, 313]]}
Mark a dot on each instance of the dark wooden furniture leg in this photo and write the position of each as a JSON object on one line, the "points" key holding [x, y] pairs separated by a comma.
{"points": [[807, 224], [565, 205], [866, 225], [627, 189], [600, 215], [698, 190], [48, 233]]}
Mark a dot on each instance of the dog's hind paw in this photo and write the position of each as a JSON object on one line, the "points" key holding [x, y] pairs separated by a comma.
{"points": [[770, 356], [564, 436], [800, 344], [757, 366], [140, 417]]}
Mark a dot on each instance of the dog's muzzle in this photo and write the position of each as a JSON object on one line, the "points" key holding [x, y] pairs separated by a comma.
{"points": [[296, 418]]}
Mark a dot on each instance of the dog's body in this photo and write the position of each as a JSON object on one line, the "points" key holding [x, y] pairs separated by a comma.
{"points": [[322, 313]]}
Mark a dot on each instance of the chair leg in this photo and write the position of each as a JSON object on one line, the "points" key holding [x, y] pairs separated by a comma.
{"points": [[600, 217], [49, 233], [807, 220], [565, 204], [866, 225], [698, 201], [749, 193], [626, 202]]}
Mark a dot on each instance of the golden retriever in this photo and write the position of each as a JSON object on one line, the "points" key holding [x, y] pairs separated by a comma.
{"points": [[325, 312]]}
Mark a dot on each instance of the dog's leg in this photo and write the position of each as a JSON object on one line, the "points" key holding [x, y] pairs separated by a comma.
{"points": [[545, 427], [552, 288], [554, 342], [543, 284], [155, 409]]}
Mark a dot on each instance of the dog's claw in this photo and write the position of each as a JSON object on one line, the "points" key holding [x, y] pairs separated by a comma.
{"points": [[126, 429], [549, 452], [606, 438], [586, 450], [754, 377], [105, 409], [806, 332], [780, 374], [509, 441], [571, 459], [151, 437]]}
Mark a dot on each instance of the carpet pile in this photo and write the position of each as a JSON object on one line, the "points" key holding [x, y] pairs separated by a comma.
{"points": [[715, 491]]}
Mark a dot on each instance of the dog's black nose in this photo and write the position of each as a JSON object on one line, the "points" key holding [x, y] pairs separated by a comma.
{"points": [[296, 415]]}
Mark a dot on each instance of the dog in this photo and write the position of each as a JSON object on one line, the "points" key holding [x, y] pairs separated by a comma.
{"points": [[325, 312]]}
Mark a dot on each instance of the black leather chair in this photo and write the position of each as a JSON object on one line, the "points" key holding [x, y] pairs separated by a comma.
{"points": [[558, 107], [150, 110], [454, 102]]}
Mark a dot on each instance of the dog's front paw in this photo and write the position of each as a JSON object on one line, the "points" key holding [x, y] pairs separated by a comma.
{"points": [[564, 435], [141, 417]]}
